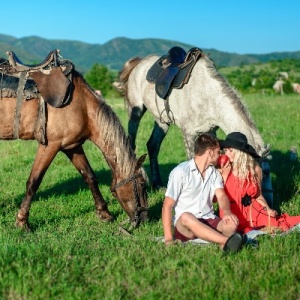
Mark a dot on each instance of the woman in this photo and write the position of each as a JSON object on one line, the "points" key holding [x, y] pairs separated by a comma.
{"points": [[242, 177]]}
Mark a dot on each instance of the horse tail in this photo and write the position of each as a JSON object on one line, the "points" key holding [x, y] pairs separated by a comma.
{"points": [[121, 85], [128, 67]]}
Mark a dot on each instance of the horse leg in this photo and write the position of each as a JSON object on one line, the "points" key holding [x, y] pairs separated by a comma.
{"points": [[134, 122], [81, 163], [43, 159], [189, 140], [153, 145]]}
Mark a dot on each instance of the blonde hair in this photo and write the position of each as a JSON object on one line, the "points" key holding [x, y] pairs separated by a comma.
{"points": [[245, 164]]}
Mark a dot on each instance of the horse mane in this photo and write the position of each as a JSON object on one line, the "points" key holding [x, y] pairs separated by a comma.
{"points": [[113, 133], [229, 91]]}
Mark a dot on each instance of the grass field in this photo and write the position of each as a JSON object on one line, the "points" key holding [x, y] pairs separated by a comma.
{"points": [[72, 255]]}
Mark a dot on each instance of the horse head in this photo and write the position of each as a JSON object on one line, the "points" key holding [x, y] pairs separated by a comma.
{"points": [[132, 194]]}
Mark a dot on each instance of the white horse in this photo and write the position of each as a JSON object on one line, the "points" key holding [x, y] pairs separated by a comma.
{"points": [[204, 104]]}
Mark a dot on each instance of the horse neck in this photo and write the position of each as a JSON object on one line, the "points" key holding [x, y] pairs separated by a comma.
{"points": [[239, 119], [229, 102], [108, 134]]}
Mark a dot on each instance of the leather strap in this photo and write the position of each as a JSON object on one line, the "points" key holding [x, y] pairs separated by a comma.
{"points": [[20, 90]]}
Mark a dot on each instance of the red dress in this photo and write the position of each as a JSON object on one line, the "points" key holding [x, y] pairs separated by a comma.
{"points": [[253, 216]]}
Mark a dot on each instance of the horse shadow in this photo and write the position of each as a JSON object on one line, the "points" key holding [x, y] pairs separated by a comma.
{"points": [[76, 184], [155, 210], [285, 171], [71, 187]]}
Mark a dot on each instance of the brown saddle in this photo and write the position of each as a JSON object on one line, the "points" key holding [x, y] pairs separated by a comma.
{"points": [[50, 77], [19, 66], [173, 70], [50, 81]]}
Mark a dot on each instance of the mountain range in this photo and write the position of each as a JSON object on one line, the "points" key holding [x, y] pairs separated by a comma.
{"points": [[114, 53]]}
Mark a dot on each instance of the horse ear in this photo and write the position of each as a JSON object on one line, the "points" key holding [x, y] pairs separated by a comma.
{"points": [[140, 161], [53, 86]]}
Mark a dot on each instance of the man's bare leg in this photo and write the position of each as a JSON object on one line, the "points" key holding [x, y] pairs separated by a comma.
{"points": [[192, 228]]}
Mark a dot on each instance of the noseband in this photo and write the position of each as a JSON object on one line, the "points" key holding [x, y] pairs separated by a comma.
{"points": [[138, 207]]}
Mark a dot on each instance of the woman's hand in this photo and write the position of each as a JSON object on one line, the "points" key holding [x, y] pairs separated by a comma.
{"points": [[225, 170], [273, 213], [222, 160]]}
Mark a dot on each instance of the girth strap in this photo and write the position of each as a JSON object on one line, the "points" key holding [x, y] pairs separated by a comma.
{"points": [[20, 90], [41, 122], [168, 113]]}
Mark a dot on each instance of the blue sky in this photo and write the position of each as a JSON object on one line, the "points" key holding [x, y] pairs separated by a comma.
{"points": [[239, 26]]}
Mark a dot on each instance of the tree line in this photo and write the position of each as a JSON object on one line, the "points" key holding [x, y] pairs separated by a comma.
{"points": [[260, 78]]}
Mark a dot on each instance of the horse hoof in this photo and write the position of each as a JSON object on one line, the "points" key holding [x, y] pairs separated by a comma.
{"points": [[104, 216], [23, 225]]}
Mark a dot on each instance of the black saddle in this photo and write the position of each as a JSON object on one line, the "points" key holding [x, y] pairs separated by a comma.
{"points": [[176, 55], [172, 70]]}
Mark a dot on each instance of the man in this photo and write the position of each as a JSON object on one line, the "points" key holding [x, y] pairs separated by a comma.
{"points": [[190, 192]]}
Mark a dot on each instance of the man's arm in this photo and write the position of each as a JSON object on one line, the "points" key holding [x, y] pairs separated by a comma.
{"points": [[224, 205], [167, 218]]}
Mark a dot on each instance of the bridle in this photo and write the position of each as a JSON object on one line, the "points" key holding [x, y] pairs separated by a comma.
{"points": [[138, 208]]}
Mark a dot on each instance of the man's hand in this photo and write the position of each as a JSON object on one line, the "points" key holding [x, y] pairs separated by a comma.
{"points": [[230, 217], [172, 242]]}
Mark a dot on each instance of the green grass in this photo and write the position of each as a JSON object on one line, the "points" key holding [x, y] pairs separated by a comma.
{"points": [[72, 255]]}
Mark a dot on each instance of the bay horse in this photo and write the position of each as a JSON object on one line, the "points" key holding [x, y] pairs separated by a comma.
{"points": [[52, 103], [201, 102]]}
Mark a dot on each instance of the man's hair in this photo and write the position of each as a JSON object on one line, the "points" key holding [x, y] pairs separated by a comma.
{"points": [[205, 141]]}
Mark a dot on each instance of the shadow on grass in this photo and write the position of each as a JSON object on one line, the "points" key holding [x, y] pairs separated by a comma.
{"points": [[72, 186], [285, 177], [285, 174], [75, 185]]}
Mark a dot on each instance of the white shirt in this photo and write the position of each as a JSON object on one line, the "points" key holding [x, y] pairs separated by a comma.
{"points": [[190, 192]]}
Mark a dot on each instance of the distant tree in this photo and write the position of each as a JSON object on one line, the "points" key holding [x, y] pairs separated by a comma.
{"points": [[100, 78], [287, 87], [257, 78]]}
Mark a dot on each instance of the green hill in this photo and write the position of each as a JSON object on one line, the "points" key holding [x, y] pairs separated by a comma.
{"points": [[116, 52]]}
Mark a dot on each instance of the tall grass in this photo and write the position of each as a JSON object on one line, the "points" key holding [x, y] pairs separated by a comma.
{"points": [[72, 255]]}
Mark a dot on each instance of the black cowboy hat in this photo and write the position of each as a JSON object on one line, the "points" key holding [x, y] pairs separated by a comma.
{"points": [[238, 141]]}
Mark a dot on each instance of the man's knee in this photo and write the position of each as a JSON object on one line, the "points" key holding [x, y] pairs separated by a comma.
{"points": [[185, 218]]}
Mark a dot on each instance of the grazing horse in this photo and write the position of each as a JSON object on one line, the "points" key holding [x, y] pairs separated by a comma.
{"points": [[52, 103], [203, 103]]}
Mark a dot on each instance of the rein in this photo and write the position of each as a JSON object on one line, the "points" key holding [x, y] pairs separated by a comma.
{"points": [[139, 208]]}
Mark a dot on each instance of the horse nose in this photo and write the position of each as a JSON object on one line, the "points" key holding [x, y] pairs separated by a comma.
{"points": [[144, 216]]}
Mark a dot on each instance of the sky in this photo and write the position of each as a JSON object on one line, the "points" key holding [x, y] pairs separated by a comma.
{"points": [[235, 26]]}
